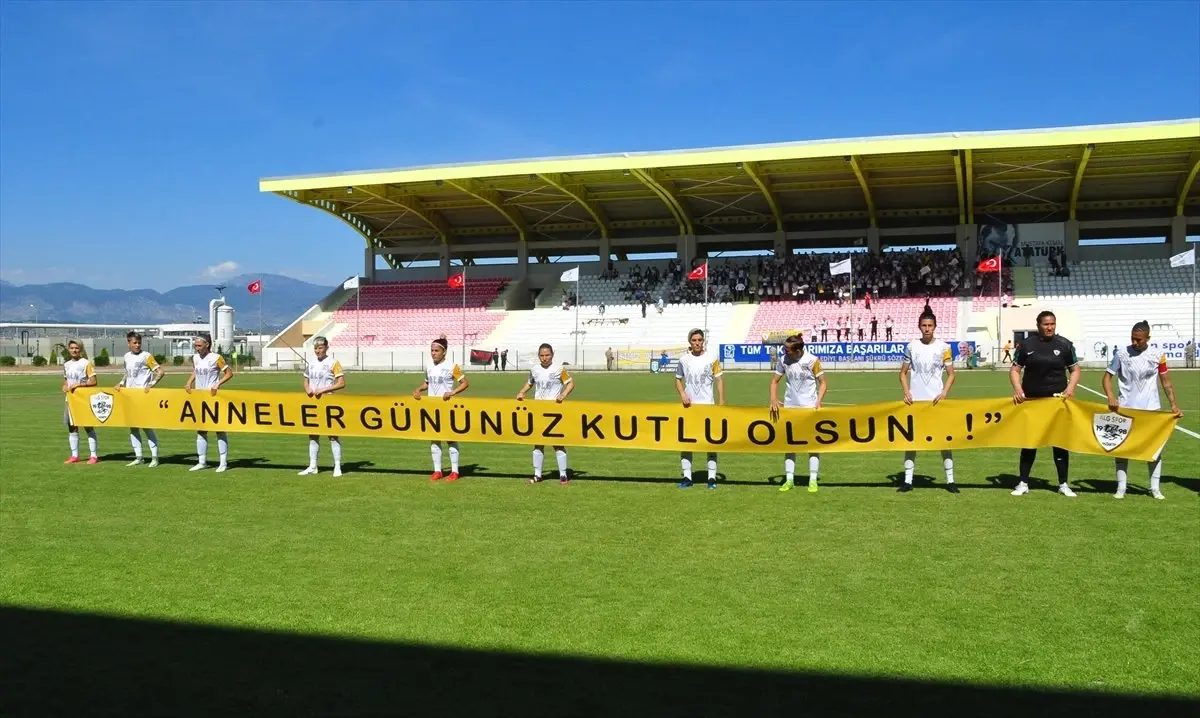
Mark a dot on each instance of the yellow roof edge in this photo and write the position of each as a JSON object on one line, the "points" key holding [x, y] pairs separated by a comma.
{"points": [[993, 140]]}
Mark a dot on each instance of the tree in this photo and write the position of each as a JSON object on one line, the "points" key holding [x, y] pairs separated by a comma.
{"points": [[103, 359]]}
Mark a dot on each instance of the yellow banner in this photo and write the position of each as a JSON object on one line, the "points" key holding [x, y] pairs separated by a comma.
{"points": [[953, 424]]}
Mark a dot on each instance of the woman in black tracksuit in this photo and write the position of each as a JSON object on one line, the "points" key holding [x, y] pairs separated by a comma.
{"points": [[1050, 368]]}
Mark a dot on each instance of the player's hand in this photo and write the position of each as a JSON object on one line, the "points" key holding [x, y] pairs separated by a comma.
{"points": [[417, 394], [187, 388], [908, 397], [938, 398], [687, 401], [67, 389], [1177, 411], [1112, 404], [1018, 397], [1069, 393], [213, 391], [818, 406], [775, 406], [521, 396], [310, 394], [146, 390], [559, 399], [447, 396], [118, 387]]}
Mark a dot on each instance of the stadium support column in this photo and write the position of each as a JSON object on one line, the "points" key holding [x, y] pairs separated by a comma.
{"points": [[779, 244], [874, 246], [1178, 234], [369, 264], [685, 248], [1071, 240], [444, 260], [604, 250], [522, 260], [965, 240]]}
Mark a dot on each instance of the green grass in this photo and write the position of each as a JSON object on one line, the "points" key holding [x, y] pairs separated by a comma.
{"points": [[981, 587]]}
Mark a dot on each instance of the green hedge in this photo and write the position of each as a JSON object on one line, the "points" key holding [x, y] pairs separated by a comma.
{"points": [[102, 359], [178, 360], [40, 360], [8, 361]]}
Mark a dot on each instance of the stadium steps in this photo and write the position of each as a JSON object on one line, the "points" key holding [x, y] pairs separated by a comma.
{"points": [[551, 295], [1024, 285], [509, 327], [739, 322]]}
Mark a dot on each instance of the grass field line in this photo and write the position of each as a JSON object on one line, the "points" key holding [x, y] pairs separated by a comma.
{"points": [[1189, 432]]}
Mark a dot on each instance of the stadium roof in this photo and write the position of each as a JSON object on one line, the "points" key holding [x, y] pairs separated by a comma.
{"points": [[1129, 171]]}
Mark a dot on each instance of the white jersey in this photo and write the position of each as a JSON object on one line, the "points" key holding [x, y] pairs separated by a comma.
{"points": [[139, 369], [801, 375], [926, 363], [442, 377], [322, 373], [1137, 376], [77, 371], [548, 382], [208, 369], [698, 374]]}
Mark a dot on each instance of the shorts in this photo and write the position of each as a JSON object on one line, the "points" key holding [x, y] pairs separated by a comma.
{"points": [[67, 414]]}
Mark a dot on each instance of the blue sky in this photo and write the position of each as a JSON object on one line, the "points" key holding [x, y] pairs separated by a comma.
{"points": [[132, 136]]}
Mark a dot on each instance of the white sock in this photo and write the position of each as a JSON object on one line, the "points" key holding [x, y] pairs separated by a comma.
{"points": [[560, 455], [73, 441], [314, 448], [202, 448], [152, 439], [435, 450], [789, 467], [948, 465], [1155, 473], [223, 446], [910, 463], [135, 440], [712, 467], [814, 466], [685, 465], [92, 443], [1122, 475], [335, 445], [453, 456], [538, 455]]}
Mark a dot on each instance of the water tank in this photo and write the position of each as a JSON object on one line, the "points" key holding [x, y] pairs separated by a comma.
{"points": [[224, 335]]}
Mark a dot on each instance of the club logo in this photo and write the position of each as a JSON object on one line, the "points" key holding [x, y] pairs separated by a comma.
{"points": [[1057, 352], [1111, 429], [102, 406], [729, 350]]}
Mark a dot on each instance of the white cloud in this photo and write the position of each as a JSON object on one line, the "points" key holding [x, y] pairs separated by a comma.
{"points": [[224, 269]]}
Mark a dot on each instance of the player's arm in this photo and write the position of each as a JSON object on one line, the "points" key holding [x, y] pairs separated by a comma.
{"points": [[1107, 382], [461, 384], [525, 389], [1076, 373], [90, 378], [948, 362], [773, 401], [1167, 386], [191, 380], [339, 380], [905, 365], [159, 372], [307, 385], [417, 392], [679, 387], [1014, 375], [821, 387], [226, 373], [568, 386]]}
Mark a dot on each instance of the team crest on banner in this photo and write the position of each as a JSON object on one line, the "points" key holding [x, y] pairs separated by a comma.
{"points": [[102, 406], [1111, 429]]}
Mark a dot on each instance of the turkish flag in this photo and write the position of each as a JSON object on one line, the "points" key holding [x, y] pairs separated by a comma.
{"points": [[700, 272], [989, 265], [254, 287], [458, 281]]}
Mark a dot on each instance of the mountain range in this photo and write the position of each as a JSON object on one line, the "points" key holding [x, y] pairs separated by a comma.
{"points": [[283, 299]]}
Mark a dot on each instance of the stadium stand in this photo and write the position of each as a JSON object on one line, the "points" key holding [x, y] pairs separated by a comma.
{"points": [[1107, 297], [410, 313], [787, 315]]}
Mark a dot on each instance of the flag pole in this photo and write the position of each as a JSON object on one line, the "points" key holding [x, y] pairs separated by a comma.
{"points": [[706, 298], [853, 309], [999, 308], [577, 316], [463, 359], [357, 323], [260, 344]]}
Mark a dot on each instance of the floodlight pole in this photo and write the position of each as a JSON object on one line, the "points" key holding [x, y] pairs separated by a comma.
{"points": [[576, 317], [999, 306]]}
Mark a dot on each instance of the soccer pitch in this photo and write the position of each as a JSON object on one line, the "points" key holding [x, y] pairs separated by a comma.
{"points": [[980, 588]]}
